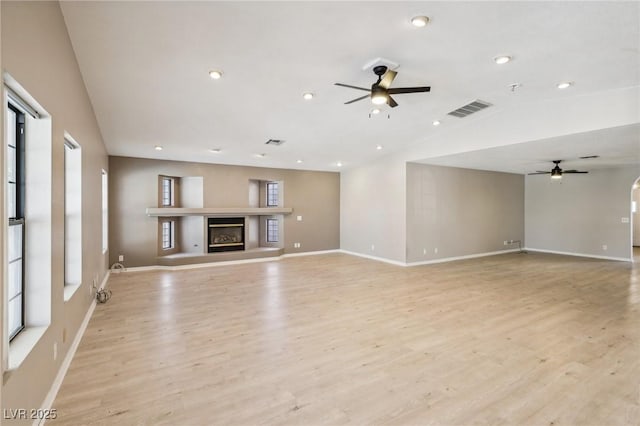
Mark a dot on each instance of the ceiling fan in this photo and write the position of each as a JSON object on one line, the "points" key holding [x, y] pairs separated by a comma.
{"points": [[557, 172], [380, 91]]}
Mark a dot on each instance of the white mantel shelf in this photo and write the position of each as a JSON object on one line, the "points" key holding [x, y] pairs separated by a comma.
{"points": [[225, 211]]}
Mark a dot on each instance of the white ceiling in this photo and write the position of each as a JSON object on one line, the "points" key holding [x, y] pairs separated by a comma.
{"points": [[145, 65], [617, 146]]}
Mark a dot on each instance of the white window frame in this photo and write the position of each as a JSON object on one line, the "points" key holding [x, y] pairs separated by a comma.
{"points": [[272, 194], [168, 226], [105, 211]]}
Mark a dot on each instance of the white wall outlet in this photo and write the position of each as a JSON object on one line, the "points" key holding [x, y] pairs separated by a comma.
{"points": [[299, 218], [373, 247], [296, 245], [55, 350], [435, 250], [604, 247], [424, 251], [121, 258], [624, 220]]}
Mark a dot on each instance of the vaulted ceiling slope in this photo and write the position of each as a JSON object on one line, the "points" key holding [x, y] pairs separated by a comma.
{"points": [[146, 65]]}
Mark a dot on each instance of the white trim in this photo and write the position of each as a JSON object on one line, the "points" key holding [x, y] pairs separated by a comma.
{"points": [[66, 363], [311, 253], [379, 259], [468, 256], [197, 265], [70, 290], [566, 253], [222, 263]]}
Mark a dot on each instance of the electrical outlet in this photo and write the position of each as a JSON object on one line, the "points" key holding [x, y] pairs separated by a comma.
{"points": [[373, 247], [424, 251], [121, 258], [435, 250], [299, 218], [624, 220], [296, 245], [55, 350], [604, 247]]}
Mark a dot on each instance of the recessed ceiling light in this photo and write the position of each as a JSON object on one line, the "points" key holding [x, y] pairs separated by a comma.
{"points": [[308, 96], [375, 111], [502, 59], [436, 122], [564, 84], [298, 161], [379, 147], [420, 21], [339, 164], [215, 150], [158, 148], [215, 74]]}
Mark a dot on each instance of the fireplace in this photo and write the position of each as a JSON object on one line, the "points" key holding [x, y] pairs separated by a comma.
{"points": [[225, 234]]}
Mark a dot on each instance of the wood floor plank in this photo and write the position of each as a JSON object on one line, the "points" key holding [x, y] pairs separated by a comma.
{"points": [[516, 339]]}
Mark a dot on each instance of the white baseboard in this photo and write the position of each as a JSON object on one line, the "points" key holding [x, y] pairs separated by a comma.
{"points": [[468, 256], [566, 253], [222, 263], [311, 253], [55, 387], [379, 259]]}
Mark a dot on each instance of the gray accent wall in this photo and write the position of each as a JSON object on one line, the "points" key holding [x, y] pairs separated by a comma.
{"points": [[582, 213], [313, 195], [372, 216], [37, 53], [453, 212]]}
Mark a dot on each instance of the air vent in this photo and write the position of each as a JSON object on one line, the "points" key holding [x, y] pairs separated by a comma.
{"points": [[470, 108], [276, 142]]}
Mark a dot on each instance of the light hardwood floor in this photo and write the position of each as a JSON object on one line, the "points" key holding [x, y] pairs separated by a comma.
{"points": [[519, 339]]}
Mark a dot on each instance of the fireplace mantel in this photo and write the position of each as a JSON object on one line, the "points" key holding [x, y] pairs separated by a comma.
{"points": [[220, 211]]}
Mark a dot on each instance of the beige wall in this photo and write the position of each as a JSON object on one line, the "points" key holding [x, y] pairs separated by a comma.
{"points": [[313, 195], [37, 53], [581, 213], [461, 212]]}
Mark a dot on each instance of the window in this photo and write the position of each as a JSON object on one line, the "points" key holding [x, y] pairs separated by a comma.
{"points": [[15, 211], [168, 191], [72, 212], [272, 230], [168, 234], [272, 194], [105, 212]]}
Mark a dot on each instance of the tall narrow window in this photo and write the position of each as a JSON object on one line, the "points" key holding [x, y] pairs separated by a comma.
{"points": [[105, 212], [168, 234], [168, 191], [15, 211], [272, 194], [272, 230], [72, 212]]}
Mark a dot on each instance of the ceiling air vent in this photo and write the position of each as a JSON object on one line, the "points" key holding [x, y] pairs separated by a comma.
{"points": [[276, 142], [470, 108]]}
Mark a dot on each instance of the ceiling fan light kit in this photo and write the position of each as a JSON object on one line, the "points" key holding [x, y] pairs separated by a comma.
{"points": [[557, 172], [380, 92]]}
